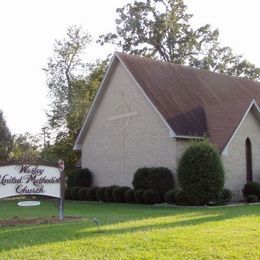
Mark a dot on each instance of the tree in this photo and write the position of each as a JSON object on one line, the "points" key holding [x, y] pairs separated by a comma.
{"points": [[63, 70], [72, 86], [201, 173], [5, 139], [26, 147], [161, 29]]}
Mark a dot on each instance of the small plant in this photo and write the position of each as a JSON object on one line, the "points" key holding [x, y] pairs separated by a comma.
{"points": [[139, 196], [67, 193], [91, 193], [169, 196], [83, 193], [74, 192], [251, 198], [225, 196], [119, 194], [130, 196], [79, 177], [151, 196], [109, 193], [100, 194], [181, 198], [141, 179], [252, 188]]}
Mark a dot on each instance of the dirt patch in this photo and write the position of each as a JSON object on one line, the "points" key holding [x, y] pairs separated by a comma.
{"points": [[15, 221]]}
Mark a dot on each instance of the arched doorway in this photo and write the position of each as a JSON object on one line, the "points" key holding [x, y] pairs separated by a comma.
{"points": [[249, 168]]}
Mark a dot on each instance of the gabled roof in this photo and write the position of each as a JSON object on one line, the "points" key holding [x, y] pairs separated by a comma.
{"points": [[192, 102]]}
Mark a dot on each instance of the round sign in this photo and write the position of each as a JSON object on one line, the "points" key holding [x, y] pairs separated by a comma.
{"points": [[29, 203]]}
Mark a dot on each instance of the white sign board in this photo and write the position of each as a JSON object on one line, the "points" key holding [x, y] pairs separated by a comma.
{"points": [[29, 179]]}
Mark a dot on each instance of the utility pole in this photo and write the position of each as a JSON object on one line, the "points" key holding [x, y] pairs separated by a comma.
{"points": [[44, 133]]}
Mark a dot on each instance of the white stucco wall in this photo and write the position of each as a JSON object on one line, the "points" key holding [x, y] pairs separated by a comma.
{"points": [[113, 149], [235, 160]]}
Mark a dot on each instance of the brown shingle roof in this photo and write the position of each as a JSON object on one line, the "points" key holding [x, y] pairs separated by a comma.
{"points": [[194, 102]]}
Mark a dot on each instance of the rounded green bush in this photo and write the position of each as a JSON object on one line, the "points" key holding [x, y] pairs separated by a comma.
{"points": [[139, 196], [67, 194], [100, 194], [141, 179], [169, 196], [151, 196], [83, 193], [119, 194], [251, 198], [181, 198], [130, 196], [74, 192], [252, 188], [158, 178], [91, 193], [109, 193], [79, 177], [226, 195], [201, 173]]}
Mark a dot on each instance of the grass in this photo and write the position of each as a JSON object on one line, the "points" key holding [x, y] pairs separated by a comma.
{"points": [[133, 232]]}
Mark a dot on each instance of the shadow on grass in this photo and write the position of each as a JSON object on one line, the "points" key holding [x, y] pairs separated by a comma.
{"points": [[115, 214]]}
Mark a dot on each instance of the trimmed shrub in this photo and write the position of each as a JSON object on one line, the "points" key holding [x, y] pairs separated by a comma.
{"points": [[83, 193], [74, 192], [109, 193], [158, 178], [169, 196], [100, 194], [161, 179], [79, 177], [251, 198], [91, 193], [67, 193], [141, 179], [119, 194], [252, 188], [225, 195], [181, 198], [130, 196], [201, 173], [151, 196], [139, 196]]}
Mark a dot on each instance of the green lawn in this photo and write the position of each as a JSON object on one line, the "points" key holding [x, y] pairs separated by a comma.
{"points": [[133, 232]]}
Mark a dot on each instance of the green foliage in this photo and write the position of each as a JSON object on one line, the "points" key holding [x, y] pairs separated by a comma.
{"points": [[74, 192], [200, 173], [5, 139], [251, 198], [130, 196], [109, 193], [83, 194], [139, 196], [119, 194], [79, 177], [252, 188], [100, 193], [161, 29], [169, 196], [226, 195], [151, 196], [72, 86], [158, 178], [67, 193], [181, 198], [141, 178], [91, 193]]}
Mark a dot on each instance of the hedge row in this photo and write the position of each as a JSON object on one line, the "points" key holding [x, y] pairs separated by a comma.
{"points": [[251, 192], [113, 194]]}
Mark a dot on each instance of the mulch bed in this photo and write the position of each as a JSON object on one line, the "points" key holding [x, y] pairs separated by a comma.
{"points": [[15, 221]]}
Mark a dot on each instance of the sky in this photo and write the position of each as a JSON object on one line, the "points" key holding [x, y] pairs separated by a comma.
{"points": [[29, 27]]}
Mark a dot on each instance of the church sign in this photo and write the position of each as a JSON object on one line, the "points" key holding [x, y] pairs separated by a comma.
{"points": [[30, 179]]}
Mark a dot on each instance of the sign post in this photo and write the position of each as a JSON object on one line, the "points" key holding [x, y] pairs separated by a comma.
{"points": [[62, 188]]}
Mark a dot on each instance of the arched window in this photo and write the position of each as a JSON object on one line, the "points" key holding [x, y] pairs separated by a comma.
{"points": [[249, 168]]}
